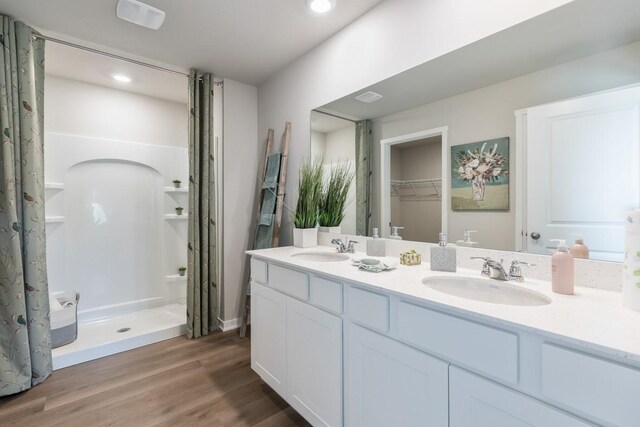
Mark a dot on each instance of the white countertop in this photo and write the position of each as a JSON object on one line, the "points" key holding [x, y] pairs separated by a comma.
{"points": [[593, 318]]}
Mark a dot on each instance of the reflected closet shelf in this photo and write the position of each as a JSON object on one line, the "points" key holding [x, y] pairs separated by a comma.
{"points": [[175, 278], [53, 186]]}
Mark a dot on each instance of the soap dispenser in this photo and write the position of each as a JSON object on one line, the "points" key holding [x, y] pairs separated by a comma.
{"points": [[375, 245], [394, 233], [562, 269], [579, 249], [467, 238], [443, 257]]}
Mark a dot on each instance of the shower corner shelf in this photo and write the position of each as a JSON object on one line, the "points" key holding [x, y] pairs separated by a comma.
{"points": [[53, 186], [174, 217], [175, 278], [176, 190], [54, 219]]}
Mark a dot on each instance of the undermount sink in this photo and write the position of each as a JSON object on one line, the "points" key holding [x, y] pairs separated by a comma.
{"points": [[486, 290], [321, 256]]}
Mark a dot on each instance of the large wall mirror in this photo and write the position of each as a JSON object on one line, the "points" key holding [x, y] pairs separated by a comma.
{"points": [[526, 136]]}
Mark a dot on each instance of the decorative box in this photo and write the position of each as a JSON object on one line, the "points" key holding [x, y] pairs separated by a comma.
{"points": [[410, 258]]}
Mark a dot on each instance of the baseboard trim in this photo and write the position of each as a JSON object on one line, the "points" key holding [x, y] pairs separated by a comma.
{"points": [[228, 325]]}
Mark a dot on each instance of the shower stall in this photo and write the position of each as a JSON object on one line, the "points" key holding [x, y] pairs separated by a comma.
{"points": [[115, 237]]}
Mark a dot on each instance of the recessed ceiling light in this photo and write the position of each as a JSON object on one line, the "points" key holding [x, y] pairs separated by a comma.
{"points": [[139, 13], [121, 78], [369, 97], [321, 6]]}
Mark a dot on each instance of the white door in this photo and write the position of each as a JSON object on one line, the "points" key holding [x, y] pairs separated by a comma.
{"points": [[314, 363], [582, 171], [477, 402], [391, 384], [268, 336]]}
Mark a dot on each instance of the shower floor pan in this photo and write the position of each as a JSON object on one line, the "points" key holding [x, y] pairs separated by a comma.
{"points": [[101, 338]]}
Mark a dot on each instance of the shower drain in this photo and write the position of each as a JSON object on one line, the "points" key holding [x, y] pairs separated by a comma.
{"points": [[121, 330]]}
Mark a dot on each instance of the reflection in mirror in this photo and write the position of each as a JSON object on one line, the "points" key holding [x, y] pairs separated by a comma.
{"points": [[416, 188], [561, 105], [334, 140]]}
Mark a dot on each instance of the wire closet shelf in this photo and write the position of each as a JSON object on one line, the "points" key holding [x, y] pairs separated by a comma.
{"points": [[417, 189]]}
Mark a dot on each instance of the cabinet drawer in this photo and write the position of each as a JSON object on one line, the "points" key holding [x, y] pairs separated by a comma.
{"points": [[594, 386], [326, 294], [482, 348], [289, 281], [369, 309], [259, 271]]}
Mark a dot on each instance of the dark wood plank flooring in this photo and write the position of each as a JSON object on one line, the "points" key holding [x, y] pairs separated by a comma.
{"points": [[178, 382]]}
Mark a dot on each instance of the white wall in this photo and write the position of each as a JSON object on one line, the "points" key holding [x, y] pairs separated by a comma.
{"points": [[488, 113], [389, 39], [77, 108], [242, 157], [340, 147]]}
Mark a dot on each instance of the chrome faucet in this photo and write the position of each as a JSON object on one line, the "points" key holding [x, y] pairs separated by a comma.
{"points": [[495, 269], [342, 248]]}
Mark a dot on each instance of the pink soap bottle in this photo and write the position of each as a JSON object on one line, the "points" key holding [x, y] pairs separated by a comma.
{"points": [[562, 269]]}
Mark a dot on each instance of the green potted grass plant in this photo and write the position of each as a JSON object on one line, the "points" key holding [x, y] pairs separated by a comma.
{"points": [[305, 221], [177, 183], [335, 198]]}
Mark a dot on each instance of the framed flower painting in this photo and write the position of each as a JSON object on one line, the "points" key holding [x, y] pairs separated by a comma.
{"points": [[480, 175]]}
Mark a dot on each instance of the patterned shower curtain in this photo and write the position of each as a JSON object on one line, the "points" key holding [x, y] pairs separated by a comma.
{"points": [[202, 294], [364, 159], [25, 339]]}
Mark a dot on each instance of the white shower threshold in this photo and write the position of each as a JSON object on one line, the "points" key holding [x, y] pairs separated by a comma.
{"points": [[101, 338]]}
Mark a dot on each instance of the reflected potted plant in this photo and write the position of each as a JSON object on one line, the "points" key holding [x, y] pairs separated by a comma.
{"points": [[334, 198], [305, 219], [177, 183], [179, 210], [182, 271]]}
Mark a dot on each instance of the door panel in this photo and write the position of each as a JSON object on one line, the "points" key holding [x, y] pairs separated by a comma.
{"points": [[583, 171]]}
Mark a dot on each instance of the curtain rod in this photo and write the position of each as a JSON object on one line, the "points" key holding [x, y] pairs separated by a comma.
{"points": [[114, 56], [336, 116]]}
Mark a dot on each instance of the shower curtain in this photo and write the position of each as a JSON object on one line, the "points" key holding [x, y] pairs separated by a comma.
{"points": [[202, 293], [25, 341], [364, 158]]}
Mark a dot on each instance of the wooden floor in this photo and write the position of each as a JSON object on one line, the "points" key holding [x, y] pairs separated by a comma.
{"points": [[178, 382]]}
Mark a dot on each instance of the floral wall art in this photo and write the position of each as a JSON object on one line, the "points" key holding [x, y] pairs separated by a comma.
{"points": [[480, 175]]}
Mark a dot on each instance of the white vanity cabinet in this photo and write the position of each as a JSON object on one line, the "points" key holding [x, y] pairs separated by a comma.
{"points": [[477, 402], [296, 348], [391, 384]]}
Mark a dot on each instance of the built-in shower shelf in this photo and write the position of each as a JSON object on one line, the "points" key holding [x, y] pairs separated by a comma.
{"points": [[175, 190], [54, 219], [53, 186], [175, 278], [174, 217]]}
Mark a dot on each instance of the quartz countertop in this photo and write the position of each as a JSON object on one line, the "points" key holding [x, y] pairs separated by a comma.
{"points": [[592, 318]]}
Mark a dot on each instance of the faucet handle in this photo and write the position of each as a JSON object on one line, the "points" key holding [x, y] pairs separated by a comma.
{"points": [[515, 263], [486, 271], [350, 247], [515, 272]]}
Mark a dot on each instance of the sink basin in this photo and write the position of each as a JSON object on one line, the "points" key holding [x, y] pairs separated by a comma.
{"points": [[321, 256], [486, 290]]}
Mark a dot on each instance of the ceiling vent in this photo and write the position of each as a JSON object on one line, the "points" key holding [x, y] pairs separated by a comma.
{"points": [[369, 97], [140, 14]]}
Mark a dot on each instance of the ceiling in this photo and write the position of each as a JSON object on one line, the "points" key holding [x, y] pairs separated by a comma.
{"points": [[573, 31], [245, 40], [324, 123], [77, 64]]}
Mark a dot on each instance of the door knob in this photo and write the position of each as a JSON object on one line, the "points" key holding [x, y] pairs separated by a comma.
{"points": [[535, 235]]}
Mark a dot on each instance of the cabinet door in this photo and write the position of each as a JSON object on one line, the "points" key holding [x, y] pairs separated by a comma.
{"points": [[391, 384], [477, 402], [314, 363], [268, 336]]}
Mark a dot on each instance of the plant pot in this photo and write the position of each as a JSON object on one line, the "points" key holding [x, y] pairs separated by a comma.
{"points": [[305, 237], [179, 212], [182, 273], [177, 184], [334, 230]]}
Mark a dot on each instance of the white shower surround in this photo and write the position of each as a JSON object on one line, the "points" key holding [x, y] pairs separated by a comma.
{"points": [[111, 234]]}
